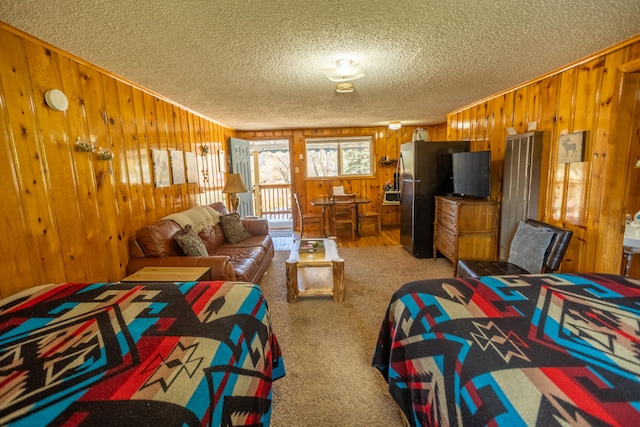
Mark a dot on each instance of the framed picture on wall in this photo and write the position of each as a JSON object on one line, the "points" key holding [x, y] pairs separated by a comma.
{"points": [[192, 167], [571, 147], [161, 176], [177, 166], [222, 161]]}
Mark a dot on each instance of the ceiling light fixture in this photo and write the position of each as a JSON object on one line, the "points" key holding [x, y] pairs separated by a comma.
{"points": [[395, 125], [345, 70], [345, 88]]}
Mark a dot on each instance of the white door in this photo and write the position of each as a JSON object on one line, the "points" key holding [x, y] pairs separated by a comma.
{"points": [[241, 163]]}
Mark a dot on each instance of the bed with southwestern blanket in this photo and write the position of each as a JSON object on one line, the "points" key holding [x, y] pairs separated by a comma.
{"points": [[156, 354], [547, 349]]}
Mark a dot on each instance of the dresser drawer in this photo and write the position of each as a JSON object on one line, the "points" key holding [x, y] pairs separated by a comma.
{"points": [[445, 242], [447, 221], [449, 208], [465, 229]]}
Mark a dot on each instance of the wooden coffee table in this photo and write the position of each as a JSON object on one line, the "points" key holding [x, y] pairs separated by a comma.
{"points": [[168, 274], [315, 274]]}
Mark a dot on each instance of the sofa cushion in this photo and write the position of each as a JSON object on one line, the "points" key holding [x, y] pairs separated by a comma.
{"points": [[190, 242], [256, 226], [156, 240], [219, 207], [246, 261], [264, 241], [233, 229], [213, 238]]}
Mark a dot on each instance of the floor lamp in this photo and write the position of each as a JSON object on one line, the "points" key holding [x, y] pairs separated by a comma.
{"points": [[234, 185]]}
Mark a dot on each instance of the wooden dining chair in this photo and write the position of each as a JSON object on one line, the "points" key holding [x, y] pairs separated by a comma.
{"points": [[372, 216], [343, 213], [308, 218]]}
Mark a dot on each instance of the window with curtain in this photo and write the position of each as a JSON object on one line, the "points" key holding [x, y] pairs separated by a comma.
{"points": [[339, 157]]}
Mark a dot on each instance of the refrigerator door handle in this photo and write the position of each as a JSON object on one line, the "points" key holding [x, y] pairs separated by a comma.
{"points": [[416, 161], [400, 167]]}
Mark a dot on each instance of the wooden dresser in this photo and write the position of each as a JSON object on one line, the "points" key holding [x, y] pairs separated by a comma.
{"points": [[465, 229]]}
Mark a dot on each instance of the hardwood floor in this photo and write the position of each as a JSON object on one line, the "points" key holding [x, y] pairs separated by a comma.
{"points": [[388, 237]]}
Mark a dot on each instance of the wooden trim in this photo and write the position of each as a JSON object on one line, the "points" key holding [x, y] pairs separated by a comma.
{"points": [[631, 66]]}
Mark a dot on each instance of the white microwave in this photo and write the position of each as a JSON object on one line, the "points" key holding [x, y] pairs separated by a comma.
{"points": [[391, 197]]}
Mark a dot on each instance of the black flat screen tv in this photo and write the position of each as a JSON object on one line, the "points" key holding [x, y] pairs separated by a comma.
{"points": [[471, 172]]}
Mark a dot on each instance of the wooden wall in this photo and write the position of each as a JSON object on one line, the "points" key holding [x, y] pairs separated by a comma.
{"points": [[597, 95], [387, 143], [66, 215]]}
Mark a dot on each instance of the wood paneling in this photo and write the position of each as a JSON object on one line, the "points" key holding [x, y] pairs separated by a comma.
{"points": [[386, 143], [67, 215], [588, 197]]}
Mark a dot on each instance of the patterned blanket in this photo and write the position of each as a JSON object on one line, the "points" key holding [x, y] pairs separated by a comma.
{"points": [[192, 353], [549, 349]]}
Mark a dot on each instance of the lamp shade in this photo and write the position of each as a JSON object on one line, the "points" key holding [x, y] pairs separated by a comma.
{"points": [[234, 184]]}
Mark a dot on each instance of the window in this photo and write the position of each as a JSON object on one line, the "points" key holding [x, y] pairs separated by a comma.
{"points": [[339, 157]]}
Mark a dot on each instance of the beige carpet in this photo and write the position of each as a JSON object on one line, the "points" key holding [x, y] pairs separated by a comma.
{"points": [[328, 347]]}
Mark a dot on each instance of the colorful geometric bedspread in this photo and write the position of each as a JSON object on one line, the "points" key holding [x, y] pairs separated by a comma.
{"points": [[555, 349], [156, 354]]}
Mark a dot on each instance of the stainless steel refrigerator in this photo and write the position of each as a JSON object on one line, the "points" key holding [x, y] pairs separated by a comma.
{"points": [[425, 172]]}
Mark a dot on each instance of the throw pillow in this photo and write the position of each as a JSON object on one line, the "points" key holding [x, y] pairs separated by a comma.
{"points": [[190, 242], [529, 247], [233, 229]]}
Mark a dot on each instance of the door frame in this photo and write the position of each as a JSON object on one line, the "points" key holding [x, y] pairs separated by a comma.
{"points": [[293, 174]]}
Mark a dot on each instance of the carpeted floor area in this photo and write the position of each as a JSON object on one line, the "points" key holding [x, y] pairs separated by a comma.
{"points": [[328, 346]]}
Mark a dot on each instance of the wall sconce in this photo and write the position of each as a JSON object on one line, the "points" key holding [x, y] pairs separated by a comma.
{"points": [[84, 146], [204, 149], [234, 185], [395, 125], [104, 154]]}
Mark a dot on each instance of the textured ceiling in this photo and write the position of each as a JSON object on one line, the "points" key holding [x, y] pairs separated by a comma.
{"points": [[257, 65]]}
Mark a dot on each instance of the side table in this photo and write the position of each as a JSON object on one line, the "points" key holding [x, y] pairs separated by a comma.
{"points": [[168, 274]]}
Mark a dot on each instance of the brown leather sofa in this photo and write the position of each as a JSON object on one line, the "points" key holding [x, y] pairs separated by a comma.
{"points": [[155, 246]]}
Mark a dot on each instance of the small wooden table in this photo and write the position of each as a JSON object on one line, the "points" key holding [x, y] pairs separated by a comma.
{"points": [[312, 280], [168, 274], [325, 202]]}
